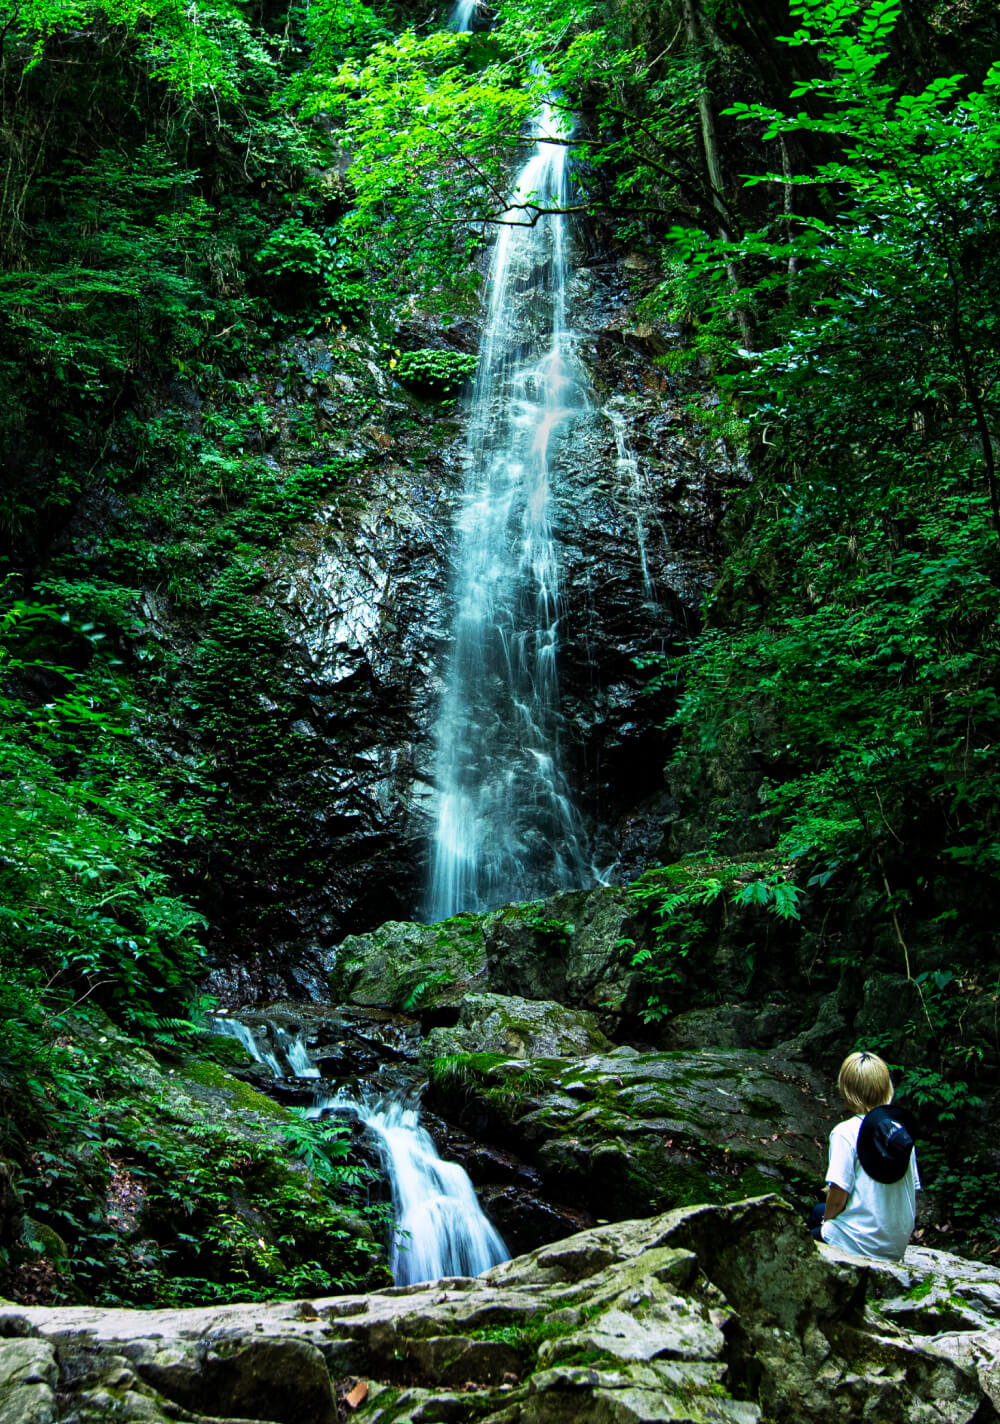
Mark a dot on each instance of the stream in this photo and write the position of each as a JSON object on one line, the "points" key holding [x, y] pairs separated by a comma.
{"points": [[439, 1228]]}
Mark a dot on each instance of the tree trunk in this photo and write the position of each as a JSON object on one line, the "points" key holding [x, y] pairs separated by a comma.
{"points": [[713, 165]]}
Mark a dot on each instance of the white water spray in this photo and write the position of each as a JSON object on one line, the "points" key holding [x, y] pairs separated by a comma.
{"points": [[639, 496], [232, 1028], [507, 827], [462, 15], [297, 1055], [439, 1227]]}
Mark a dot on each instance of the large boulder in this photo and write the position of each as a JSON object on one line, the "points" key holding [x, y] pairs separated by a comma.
{"points": [[575, 947], [408, 966], [624, 1132], [711, 1315], [517, 1028], [952, 1301]]}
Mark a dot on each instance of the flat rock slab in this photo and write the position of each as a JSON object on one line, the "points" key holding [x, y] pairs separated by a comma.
{"points": [[712, 1315]]}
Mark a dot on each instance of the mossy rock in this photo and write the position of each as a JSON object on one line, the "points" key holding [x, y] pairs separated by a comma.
{"points": [[517, 1028], [41, 1240], [626, 1133], [409, 966], [231, 1092], [574, 947]]}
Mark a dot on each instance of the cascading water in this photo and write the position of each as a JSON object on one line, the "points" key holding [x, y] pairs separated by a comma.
{"points": [[439, 1227], [507, 827], [462, 15], [297, 1055], [639, 496], [232, 1028]]}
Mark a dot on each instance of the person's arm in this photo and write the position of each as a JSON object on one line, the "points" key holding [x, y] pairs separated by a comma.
{"points": [[840, 1172], [836, 1200]]}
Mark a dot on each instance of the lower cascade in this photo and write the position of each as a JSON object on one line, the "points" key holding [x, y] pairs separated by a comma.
{"points": [[439, 1228]]}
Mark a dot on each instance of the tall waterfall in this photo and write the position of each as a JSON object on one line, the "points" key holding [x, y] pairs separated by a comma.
{"points": [[507, 827]]}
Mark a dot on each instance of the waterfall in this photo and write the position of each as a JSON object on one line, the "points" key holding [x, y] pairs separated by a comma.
{"points": [[639, 496], [439, 1227], [297, 1055], [507, 827], [461, 16], [232, 1028]]}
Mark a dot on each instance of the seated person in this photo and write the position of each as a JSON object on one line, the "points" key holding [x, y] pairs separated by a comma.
{"points": [[872, 1177]]}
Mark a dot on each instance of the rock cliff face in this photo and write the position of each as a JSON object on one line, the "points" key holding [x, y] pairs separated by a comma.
{"points": [[711, 1315], [362, 598]]}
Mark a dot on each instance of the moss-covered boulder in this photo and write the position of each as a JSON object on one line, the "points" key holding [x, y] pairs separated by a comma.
{"points": [[408, 966], [517, 1028], [708, 1315], [624, 1133], [575, 947]]}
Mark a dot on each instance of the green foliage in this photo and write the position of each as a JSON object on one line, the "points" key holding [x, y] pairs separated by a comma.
{"points": [[424, 989], [945, 1097], [556, 933], [852, 634], [430, 134], [305, 271], [125, 251], [685, 904], [102, 1134], [84, 822], [435, 372]]}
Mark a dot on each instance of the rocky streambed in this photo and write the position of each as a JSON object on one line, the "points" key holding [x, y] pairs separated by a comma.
{"points": [[710, 1314]]}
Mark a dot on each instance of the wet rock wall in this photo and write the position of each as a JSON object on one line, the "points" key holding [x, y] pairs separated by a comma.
{"points": [[331, 672]]}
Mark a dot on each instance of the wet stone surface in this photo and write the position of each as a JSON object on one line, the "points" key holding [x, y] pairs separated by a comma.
{"points": [[375, 1054], [364, 595]]}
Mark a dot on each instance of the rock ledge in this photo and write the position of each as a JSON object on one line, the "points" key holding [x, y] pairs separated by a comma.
{"points": [[709, 1314]]}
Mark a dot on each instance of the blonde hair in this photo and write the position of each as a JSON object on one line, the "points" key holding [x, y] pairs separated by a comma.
{"points": [[864, 1082]]}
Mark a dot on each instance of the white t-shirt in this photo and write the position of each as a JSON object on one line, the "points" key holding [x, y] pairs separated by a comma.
{"points": [[879, 1216]]}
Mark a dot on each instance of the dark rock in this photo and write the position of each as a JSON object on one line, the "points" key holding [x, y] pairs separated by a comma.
{"points": [[727, 1026], [360, 602], [892, 1004], [286, 1381], [625, 1132]]}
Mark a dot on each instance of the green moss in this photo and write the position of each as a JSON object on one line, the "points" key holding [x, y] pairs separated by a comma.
{"points": [[921, 1290], [219, 1048], [41, 1240], [753, 1183], [527, 1335], [590, 1357], [240, 1094]]}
